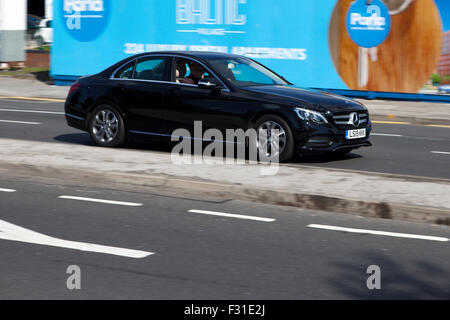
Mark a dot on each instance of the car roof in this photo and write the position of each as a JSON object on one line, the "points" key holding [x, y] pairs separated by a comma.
{"points": [[194, 54], [200, 55]]}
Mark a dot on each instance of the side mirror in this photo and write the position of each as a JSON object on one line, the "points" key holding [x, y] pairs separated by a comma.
{"points": [[207, 85]]}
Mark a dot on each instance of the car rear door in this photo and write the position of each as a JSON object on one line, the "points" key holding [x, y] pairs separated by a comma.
{"points": [[143, 95]]}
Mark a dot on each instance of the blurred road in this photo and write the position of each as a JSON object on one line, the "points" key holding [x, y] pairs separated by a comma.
{"points": [[263, 252], [214, 248], [400, 149]]}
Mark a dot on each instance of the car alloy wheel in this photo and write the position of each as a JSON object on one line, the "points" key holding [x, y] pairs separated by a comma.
{"points": [[106, 127], [267, 142]]}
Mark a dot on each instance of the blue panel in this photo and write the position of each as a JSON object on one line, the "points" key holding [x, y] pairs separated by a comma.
{"points": [[289, 36]]}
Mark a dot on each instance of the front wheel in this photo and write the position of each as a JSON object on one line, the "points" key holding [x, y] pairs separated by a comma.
{"points": [[106, 127], [270, 147]]}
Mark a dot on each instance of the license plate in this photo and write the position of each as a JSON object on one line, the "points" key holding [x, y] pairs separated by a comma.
{"points": [[355, 134]]}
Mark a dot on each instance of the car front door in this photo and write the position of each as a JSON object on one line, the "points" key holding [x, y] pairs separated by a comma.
{"points": [[188, 102]]}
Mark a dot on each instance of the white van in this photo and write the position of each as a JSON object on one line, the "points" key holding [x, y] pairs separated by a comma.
{"points": [[45, 33]]}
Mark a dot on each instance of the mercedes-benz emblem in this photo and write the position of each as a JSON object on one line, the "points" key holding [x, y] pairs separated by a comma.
{"points": [[354, 119]]}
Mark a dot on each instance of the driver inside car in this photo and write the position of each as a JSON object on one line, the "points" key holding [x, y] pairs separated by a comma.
{"points": [[181, 71], [197, 72]]}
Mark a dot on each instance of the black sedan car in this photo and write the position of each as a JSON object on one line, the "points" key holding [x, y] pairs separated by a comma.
{"points": [[152, 94]]}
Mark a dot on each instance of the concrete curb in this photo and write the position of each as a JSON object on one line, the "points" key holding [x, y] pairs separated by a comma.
{"points": [[207, 189]]}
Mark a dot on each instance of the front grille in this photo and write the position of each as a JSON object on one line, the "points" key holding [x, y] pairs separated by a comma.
{"points": [[344, 119]]}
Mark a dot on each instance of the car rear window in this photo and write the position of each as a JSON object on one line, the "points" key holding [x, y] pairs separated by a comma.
{"points": [[150, 69], [125, 72]]}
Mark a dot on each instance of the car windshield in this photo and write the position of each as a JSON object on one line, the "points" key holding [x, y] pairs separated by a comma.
{"points": [[243, 72]]}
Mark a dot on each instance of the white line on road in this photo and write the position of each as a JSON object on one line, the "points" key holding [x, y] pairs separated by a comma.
{"points": [[11, 232], [7, 190], [20, 122], [31, 111], [386, 135], [121, 203], [229, 215], [440, 152], [378, 233]]}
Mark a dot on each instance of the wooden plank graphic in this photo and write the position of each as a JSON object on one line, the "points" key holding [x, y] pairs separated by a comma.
{"points": [[404, 62]]}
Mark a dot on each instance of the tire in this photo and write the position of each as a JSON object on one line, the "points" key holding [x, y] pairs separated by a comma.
{"points": [[286, 141], [106, 127]]}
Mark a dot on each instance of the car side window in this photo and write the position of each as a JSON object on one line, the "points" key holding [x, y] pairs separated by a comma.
{"points": [[125, 72], [150, 69], [190, 72], [245, 73]]}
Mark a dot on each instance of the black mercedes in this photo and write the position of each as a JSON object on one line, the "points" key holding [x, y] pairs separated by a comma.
{"points": [[152, 94]]}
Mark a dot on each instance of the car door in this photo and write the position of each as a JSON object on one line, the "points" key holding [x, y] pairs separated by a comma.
{"points": [[143, 95], [187, 102]]}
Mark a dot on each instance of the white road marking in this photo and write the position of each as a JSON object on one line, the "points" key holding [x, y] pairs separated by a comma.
{"points": [[440, 152], [407, 137], [379, 233], [31, 111], [386, 135], [7, 190], [20, 122], [11, 232], [229, 215], [121, 203]]}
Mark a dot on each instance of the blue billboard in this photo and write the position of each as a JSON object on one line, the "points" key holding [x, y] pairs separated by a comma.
{"points": [[308, 42]]}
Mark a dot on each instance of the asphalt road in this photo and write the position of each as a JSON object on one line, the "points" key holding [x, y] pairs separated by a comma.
{"points": [[205, 256], [172, 247], [399, 149]]}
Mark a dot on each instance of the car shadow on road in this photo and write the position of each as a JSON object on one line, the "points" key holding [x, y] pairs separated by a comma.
{"points": [[75, 138], [85, 139], [308, 159], [160, 146], [417, 279]]}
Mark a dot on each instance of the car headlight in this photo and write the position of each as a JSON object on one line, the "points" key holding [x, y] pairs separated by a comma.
{"points": [[309, 115]]}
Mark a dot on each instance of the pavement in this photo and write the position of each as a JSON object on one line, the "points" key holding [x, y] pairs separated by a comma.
{"points": [[396, 197], [391, 111], [13, 87]]}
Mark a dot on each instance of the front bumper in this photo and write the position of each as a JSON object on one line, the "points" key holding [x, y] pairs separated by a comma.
{"points": [[335, 147], [321, 139]]}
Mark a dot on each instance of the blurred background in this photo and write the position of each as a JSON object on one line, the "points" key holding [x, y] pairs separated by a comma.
{"points": [[305, 41]]}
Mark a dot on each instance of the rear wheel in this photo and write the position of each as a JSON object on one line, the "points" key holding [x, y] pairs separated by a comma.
{"points": [[106, 127], [267, 143]]}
